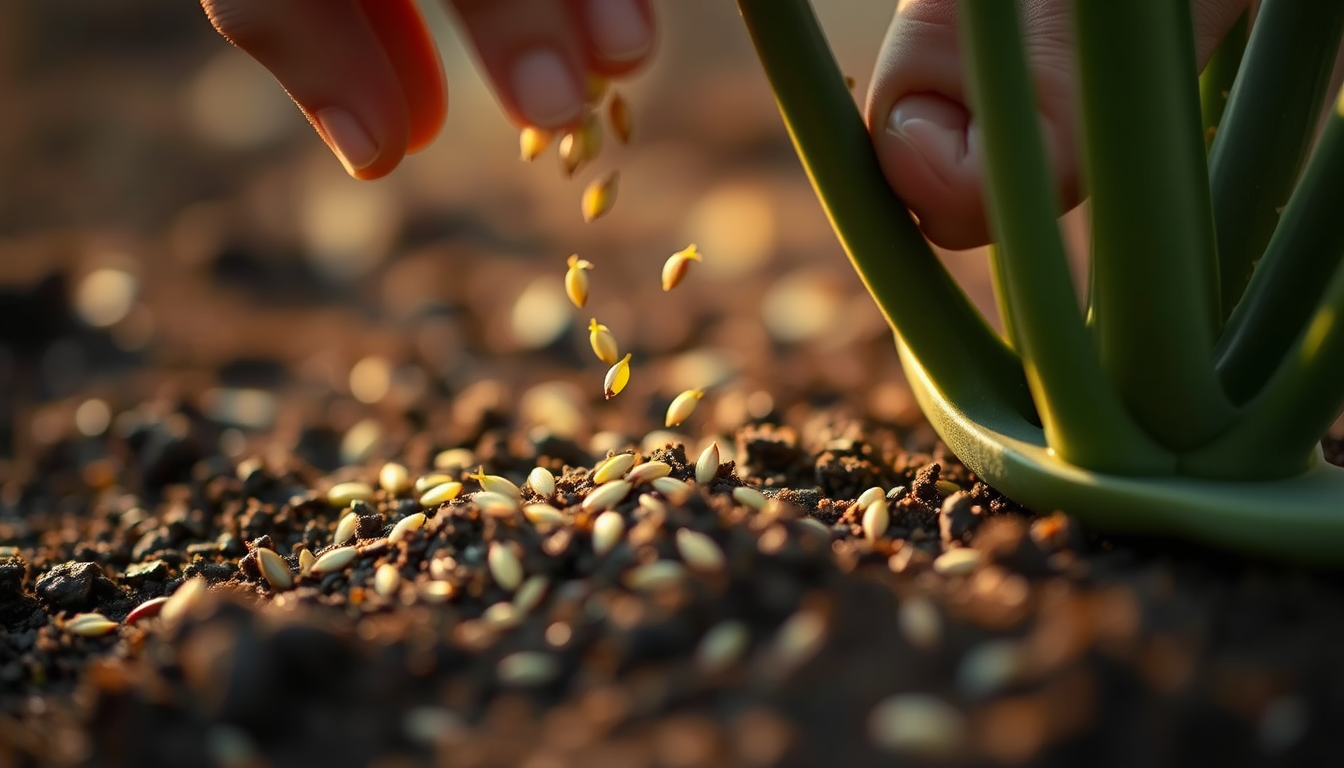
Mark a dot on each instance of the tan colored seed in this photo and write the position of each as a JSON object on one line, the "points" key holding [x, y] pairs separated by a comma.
{"points": [[876, 518], [90, 625], [497, 484], [674, 269], [613, 468], [405, 527], [543, 515], [652, 505], [576, 280], [617, 377], [869, 496], [426, 482], [306, 560], [530, 595], [527, 668], [454, 459], [184, 600], [275, 569], [618, 114], [606, 496], [800, 637], [532, 142], [334, 560], [608, 529], [542, 482], [599, 196], [501, 616], [386, 579], [699, 551], [649, 470], [495, 504], [437, 591], [918, 724], [721, 647], [579, 146], [750, 497], [344, 494], [602, 342], [394, 478], [655, 575], [345, 529], [505, 567], [957, 562], [707, 466], [440, 494], [682, 407], [920, 622], [673, 489]]}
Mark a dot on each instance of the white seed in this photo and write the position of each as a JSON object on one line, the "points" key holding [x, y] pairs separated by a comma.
{"points": [[617, 377], [682, 406], [440, 494], [306, 560], [613, 468], [542, 482], [495, 504], [386, 579], [655, 575], [800, 637], [674, 269], [750, 497], [543, 515], [275, 569], [608, 529], [721, 647], [673, 489], [576, 280], [405, 527], [344, 494], [920, 622], [505, 567], [184, 600], [606, 496], [454, 459], [394, 478], [345, 529], [957, 562], [989, 667], [649, 470], [869, 496], [699, 551], [917, 723], [530, 595], [707, 466], [90, 625], [527, 668], [876, 518], [334, 560], [501, 616]]}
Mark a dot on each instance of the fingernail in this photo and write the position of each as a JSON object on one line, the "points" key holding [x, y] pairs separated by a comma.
{"points": [[933, 125], [347, 138], [619, 29], [545, 88]]}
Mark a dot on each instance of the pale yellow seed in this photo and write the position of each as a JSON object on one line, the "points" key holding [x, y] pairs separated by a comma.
{"points": [[750, 497], [672, 489], [602, 342], [707, 466], [682, 407], [274, 568], [876, 518], [652, 505], [700, 551], [90, 625], [184, 600], [674, 269], [599, 196], [405, 527], [344, 494], [505, 568], [576, 280], [606, 496], [527, 668], [394, 478], [618, 114], [495, 504], [497, 484], [608, 529], [869, 496], [800, 637], [655, 575], [434, 480], [440, 494], [920, 622], [580, 146], [386, 579], [543, 515], [530, 595], [454, 458], [437, 591], [617, 377], [649, 470], [721, 647], [613, 468], [345, 529], [957, 562], [306, 560], [334, 560], [947, 488], [917, 724], [501, 616], [542, 482], [532, 142]]}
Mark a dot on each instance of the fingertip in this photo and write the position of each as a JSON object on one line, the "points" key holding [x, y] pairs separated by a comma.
{"points": [[620, 34]]}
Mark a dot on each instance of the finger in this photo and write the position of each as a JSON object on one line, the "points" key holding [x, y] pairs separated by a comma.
{"points": [[414, 57], [617, 35]]}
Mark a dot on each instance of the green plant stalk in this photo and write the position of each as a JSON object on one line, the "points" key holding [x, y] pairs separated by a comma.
{"points": [[1084, 420], [1215, 83], [1153, 253], [919, 298], [1307, 248], [1267, 129]]}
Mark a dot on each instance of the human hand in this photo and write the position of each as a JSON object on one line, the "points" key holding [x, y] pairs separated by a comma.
{"points": [[367, 74]]}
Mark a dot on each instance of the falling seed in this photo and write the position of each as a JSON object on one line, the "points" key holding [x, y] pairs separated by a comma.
{"points": [[674, 269], [721, 647], [606, 496], [799, 637], [345, 494], [345, 529], [673, 489], [869, 496], [618, 114], [989, 668], [920, 622], [750, 497], [608, 529], [405, 527], [494, 504], [543, 515], [334, 560], [617, 377], [613, 468], [436, 479], [707, 466], [917, 723], [505, 568], [576, 280], [849, 82], [440, 494], [542, 482], [876, 518], [599, 196], [957, 562], [306, 560], [394, 478], [90, 625], [386, 579], [579, 146], [497, 484], [146, 610], [602, 342], [275, 569], [655, 575], [530, 595], [699, 551], [532, 142], [527, 668], [649, 470], [682, 407], [184, 600], [947, 488]]}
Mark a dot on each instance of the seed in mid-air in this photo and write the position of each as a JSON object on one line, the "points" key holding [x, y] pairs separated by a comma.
{"points": [[345, 529], [576, 280], [707, 466], [599, 196], [683, 406], [674, 269], [617, 377], [405, 527], [618, 114], [603, 343], [579, 146], [334, 560], [532, 142]]}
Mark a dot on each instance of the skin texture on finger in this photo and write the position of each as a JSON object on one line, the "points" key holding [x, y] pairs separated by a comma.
{"points": [[617, 36], [411, 50]]}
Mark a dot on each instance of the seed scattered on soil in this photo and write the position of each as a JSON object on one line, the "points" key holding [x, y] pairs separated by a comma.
{"points": [[543, 515], [532, 142], [542, 482], [274, 568], [146, 610], [721, 647], [602, 342], [655, 575], [345, 529], [916, 724], [497, 484], [528, 668], [947, 488], [440, 494], [707, 466], [530, 594], [505, 568], [674, 269], [649, 470], [334, 560], [672, 489], [405, 527], [90, 625], [606, 496], [799, 638], [617, 377], [608, 529], [432, 480], [750, 497], [576, 280], [876, 519], [183, 601], [682, 406], [599, 196], [618, 114], [495, 504], [920, 622], [699, 551], [386, 579], [613, 468], [869, 496], [957, 562], [394, 478], [306, 560], [344, 494]]}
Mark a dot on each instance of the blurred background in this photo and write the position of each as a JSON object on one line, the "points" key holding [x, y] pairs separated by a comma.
{"points": [[182, 262]]}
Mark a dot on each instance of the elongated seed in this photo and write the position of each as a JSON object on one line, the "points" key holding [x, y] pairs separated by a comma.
{"points": [[707, 466], [876, 518], [869, 496], [571, 153], [505, 567], [602, 342], [606, 496], [608, 529], [440, 494], [501, 616], [918, 724], [652, 505], [750, 497], [674, 269], [437, 591], [920, 622], [543, 514], [649, 470], [660, 573], [682, 406], [497, 484], [947, 487], [90, 625], [275, 569], [618, 114], [345, 529], [532, 142], [454, 459], [599, 196], [433, 480], [344, 494], [721, 647], [184, 600], [306, 560], [146, 610], [405, 527], [529, 595], [495, 504], [800, 637], [542, 482], [699, 551], [613, 468], [617, 377], [673, 489], [386, 579], [394, 478], [334, 560], [527, 668], [956, 562], [576, 280]]}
